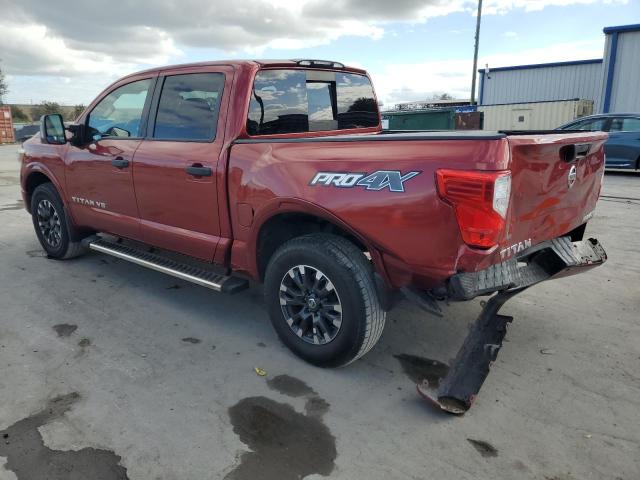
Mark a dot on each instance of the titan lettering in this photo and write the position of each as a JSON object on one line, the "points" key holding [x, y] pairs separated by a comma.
{"points": [[512, 250], [380, 180]]}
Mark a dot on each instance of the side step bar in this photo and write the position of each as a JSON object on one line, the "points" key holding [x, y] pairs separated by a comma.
{"points": [[190, 273]]}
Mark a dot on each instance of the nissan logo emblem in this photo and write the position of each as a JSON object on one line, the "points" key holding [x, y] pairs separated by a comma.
{"points": [[573, 174]]}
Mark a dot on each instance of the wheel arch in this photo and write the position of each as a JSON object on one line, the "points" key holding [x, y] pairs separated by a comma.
{"points": [[34, 176], [297, 218]]}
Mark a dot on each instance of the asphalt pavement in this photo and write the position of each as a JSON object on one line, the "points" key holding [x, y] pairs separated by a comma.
{"points": [[112, 371]]}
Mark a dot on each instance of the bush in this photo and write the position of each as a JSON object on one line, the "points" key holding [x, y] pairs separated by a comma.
{"points": [[46, 108], [18, 115]]}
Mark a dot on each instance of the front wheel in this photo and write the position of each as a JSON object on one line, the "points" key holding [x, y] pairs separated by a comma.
{"points": [[322, 300], [51, 223]]}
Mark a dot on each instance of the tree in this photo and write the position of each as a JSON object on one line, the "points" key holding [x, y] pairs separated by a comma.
{"points": [[441, 96], [18, 114], [363, 104], [77, 110], [46, 108], [4, 88]]}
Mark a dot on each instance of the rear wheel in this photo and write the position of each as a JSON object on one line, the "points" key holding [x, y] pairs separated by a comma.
{"points": [[322, 300], [51, 223]]}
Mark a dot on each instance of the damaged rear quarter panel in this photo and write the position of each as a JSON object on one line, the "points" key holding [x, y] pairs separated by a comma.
{"points": [[413, 226]]}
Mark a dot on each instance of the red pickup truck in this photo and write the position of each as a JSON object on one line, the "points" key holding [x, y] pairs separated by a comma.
{"points": [[279, 172]]}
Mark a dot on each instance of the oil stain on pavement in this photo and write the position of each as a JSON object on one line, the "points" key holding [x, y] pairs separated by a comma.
{"points": [[18, 205], [485, 448], [419, 369], [285, 444], [38, 253], [29, 458], [64, 329]]}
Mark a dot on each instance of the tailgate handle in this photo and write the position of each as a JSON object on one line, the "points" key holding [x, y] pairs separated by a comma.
{"points": [[570, 153], [120, 163], [582, 149], [197, 170]]}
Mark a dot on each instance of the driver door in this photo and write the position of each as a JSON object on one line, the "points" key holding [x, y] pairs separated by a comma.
{"points": [[99, 173]]}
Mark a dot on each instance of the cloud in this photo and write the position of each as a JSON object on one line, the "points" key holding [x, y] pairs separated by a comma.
{"points": [[403, 82], [65, 39], [510, 34]]}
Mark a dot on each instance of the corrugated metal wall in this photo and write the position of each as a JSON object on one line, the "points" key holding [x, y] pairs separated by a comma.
{"points": [[625, 89], [533, 116], [538, 84]]}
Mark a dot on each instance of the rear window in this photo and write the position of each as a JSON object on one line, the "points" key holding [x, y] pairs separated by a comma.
{"points": [[294, 101]]}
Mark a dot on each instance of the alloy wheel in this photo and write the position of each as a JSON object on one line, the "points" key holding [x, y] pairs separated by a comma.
{"points": [[49, 223], [310, 304]]}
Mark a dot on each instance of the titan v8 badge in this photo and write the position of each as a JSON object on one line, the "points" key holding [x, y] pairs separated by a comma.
{"points": [[90, 203], [391, 179]]}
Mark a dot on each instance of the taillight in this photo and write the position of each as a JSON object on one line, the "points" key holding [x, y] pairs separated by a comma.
{"points": [[480, 200]]}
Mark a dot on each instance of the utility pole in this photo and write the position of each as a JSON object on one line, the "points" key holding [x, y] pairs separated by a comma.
{"points": [[475, 54]]}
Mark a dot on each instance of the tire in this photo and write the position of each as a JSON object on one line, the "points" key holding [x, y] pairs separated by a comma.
{"points": [[52, 225], [331, 336]]}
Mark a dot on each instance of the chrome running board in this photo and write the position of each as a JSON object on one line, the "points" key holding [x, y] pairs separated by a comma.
{"points": [[159, 263]]}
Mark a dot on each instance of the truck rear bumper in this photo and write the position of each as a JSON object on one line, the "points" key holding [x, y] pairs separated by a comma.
{"points": [[559, 257]]}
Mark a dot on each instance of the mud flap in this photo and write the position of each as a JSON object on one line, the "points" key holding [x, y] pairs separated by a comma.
{"points": [[458, 389]]}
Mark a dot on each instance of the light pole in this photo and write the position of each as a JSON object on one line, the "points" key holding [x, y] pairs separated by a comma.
{"points": [[475, 54]]}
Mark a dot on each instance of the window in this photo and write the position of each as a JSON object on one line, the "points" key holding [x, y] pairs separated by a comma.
{"points": [[119, 114], [625, 124], [592, 125], [357, 107], [188, 107], [322, 113], [291, 101], [279, 103]]}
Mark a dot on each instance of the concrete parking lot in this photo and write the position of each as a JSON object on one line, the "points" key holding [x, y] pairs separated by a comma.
{"points": [[112, 371]]}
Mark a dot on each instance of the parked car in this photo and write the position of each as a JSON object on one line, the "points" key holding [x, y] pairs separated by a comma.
{"points": [[25, 132], [279, 172], [623, 147]]}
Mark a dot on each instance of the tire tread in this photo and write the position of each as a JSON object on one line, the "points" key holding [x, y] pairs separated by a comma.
{"points": [[352, 259]]}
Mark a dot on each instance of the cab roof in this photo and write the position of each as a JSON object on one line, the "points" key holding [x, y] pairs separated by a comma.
{"points": [[261, 63]]}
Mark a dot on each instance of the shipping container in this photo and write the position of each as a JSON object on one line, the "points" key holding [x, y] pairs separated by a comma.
{"points": [[6, 125], [534, 115], [426, 119]]}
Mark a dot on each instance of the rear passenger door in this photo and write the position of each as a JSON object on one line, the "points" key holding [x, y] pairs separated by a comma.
{"points": [[177, 166]]}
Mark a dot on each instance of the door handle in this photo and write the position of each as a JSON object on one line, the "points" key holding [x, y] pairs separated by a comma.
{"points": [[120, 162], [199, 171]]}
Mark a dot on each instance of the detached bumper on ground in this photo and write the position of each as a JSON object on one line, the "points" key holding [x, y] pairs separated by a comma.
{"points": [[557, 258]]}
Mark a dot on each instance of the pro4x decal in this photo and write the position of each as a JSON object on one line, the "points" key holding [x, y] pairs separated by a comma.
{"points": [[391, 179]]}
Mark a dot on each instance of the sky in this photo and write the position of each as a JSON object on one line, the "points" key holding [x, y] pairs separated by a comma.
{"points": [[413, 49]]}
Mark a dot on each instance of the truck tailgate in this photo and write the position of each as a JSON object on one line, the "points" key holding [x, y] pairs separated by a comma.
{"points": [[556, 181]]}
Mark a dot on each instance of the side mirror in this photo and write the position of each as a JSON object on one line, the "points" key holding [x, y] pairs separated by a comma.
{"points": [[77, 132], [52, 129]]}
